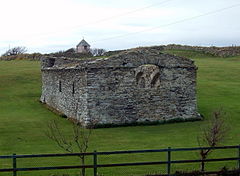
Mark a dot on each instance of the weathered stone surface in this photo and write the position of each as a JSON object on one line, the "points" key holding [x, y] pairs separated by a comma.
{"points": [[139, 85]]}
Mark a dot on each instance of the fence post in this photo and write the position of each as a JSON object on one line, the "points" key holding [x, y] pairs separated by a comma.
{"points": [[95, 163], [14, 164], [169, 161], [238, 157]]}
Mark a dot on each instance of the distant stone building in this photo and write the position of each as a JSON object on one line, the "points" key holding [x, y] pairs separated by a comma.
{"points": [[136, 86], [83, 47]]}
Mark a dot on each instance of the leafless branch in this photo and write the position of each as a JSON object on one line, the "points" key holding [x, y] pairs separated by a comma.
{"points": [[55, 134], [80, 137], [213, 135]]}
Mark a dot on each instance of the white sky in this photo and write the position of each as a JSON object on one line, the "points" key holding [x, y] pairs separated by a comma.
{"points": [[53, 25]]}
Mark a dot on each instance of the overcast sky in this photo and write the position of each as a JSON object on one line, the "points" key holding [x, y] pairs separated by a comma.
{"points": [[53, 25]]}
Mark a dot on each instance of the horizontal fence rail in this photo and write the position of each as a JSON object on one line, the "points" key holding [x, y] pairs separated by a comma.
{"points": [[168, 162]]}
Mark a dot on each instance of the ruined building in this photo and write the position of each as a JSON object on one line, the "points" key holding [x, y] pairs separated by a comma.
{"points": [[136, 86]]}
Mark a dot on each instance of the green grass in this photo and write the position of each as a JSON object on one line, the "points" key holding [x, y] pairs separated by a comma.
{"points": [[23, 119]]}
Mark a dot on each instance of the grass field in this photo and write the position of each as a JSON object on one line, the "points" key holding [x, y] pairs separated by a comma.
{"points": [[23, 119]]}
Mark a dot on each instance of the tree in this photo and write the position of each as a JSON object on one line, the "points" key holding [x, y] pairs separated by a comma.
{"points": [[212, 136], [15, 51], [79, 139], [97, 51]]}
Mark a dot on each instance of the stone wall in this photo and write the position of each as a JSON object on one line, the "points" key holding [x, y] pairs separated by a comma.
{"points": [[32, 57], [215, 51], [145, 89], [65, 90], [139, 85]]}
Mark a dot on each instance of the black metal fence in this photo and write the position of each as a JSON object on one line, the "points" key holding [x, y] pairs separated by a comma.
{"points": [[96, 165]]}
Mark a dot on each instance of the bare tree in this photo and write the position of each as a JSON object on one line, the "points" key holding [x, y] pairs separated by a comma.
{"points": [[79, 139], [15, 51], [212, 136], [97, 51]]}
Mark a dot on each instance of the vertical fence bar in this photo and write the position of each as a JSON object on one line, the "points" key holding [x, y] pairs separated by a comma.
{"points": [[14, 164], [238, 157], [95, 163], [169, 161]]}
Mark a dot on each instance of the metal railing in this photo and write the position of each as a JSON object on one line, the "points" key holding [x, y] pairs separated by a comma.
{"points": [[95, 165]]}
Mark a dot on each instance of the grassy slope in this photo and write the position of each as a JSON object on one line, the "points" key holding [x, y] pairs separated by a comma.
{"points": [[23, 118]]}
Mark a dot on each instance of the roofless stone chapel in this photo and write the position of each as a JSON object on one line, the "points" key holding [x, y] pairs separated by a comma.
{"points": [[139, 85]]}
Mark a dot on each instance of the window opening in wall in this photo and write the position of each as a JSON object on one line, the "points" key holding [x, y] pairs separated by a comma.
{"points": [[148, 76], [142, 83], [73, 88], [139, 75], [155, 80], [60, 86], [51, 62]]}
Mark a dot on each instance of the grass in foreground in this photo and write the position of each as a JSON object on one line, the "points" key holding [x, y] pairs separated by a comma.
{"points": [[23, 119]]}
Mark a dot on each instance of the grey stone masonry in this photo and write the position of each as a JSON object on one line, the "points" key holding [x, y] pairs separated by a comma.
{"points": [[136, 86]]}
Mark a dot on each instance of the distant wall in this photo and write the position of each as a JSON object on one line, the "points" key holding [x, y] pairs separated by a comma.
{"points": [[33, 57], [38, 56], [215, 51]]}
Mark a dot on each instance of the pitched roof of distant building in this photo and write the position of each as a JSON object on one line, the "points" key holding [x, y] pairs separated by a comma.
{"points": [[83, 43]]}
